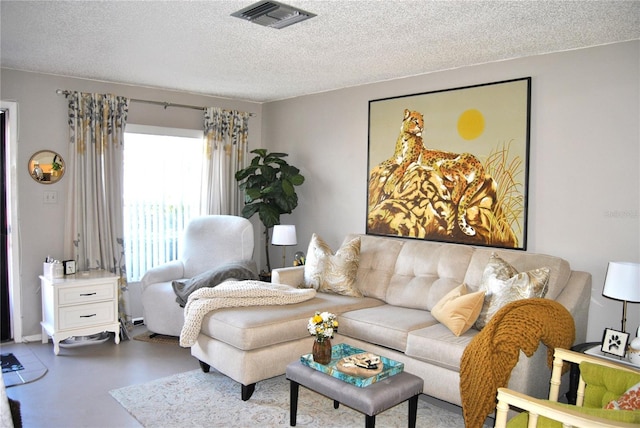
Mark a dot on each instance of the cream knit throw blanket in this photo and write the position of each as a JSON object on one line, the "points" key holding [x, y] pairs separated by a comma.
{"points": [[233, 294]]}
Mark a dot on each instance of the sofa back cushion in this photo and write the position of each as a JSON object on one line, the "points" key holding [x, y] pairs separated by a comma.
{"points": [[409, 273], [425, 272], [377, 260], [417, 274]]}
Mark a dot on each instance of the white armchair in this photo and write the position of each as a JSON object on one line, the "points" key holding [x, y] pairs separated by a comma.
{"points": [[208, 242]]}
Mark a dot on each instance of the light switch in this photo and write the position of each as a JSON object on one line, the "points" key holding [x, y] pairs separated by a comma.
{"points": [[50, 197]]}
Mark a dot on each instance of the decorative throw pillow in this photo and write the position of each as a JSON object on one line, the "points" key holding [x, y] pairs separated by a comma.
{"points": [[503, 284], [459, 309], [630, 400], [333, 273]]}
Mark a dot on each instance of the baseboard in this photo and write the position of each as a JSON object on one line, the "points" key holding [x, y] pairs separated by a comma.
{"points": [[32, 338]]}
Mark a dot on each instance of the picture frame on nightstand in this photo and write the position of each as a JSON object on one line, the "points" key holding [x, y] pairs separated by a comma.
{"points": [[69, 267], [614, 342]]}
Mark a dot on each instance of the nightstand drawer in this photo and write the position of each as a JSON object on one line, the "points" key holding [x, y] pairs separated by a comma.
{"points": [[86, 315], [85, 294]]}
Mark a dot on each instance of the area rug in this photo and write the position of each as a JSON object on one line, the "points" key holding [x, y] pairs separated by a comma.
{"points": [[10, 363], [198, 399], [32, 368], [149, 337]]}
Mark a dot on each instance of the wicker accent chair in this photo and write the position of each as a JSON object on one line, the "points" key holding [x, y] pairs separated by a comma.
{"points": [[551, 412]]}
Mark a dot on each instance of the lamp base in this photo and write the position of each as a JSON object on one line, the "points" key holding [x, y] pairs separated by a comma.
{"points": [[284, 256], [624, 316]]}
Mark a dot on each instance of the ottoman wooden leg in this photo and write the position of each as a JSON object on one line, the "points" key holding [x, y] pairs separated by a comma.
{"points": [[293, 398], [370, 421], [413, 411]]}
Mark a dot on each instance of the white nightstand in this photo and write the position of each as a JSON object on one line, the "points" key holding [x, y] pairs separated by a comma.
{"points": [[79, 305]]}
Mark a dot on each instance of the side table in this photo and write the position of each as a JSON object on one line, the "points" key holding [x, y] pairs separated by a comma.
{"points": [[79, 305], [590, 348], [574, 373]]}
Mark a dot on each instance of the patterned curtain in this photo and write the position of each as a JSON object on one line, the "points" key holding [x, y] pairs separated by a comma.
{"points": [[226, 146], [94, 219]]}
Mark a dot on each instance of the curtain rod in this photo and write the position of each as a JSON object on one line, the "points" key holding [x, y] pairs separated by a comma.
{"points": [[159, 103]]}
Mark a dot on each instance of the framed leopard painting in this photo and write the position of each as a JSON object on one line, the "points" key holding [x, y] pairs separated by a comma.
{"points": [[451, 165]]}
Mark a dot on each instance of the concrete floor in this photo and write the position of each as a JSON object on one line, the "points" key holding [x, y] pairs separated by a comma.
{"points": [[75, 390]]}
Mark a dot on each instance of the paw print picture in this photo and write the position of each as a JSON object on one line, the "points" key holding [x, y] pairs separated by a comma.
{"points": [[614, 342]]}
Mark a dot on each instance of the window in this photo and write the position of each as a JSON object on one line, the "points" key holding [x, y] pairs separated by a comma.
{"points": [[162, 191]]}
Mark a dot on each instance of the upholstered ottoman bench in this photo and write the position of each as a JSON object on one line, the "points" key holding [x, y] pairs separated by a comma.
{"points": [[370, 400]]}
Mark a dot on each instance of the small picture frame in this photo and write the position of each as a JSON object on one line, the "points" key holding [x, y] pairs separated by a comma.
{"points": [[614, 342], [69, 267]]}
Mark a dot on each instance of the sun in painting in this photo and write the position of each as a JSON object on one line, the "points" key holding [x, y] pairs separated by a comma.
{"points": [[470, 124]]}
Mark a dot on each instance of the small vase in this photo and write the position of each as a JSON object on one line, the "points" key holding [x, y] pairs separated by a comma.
{"points": [[322, 351]]}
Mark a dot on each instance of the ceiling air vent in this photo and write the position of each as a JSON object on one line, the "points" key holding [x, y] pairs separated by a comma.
{"points": [[272, 14]]}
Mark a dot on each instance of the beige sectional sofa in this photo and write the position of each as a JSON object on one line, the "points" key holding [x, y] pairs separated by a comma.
{"points": [[401, 281]]}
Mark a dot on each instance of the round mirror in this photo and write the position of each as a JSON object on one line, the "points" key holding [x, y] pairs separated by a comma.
{"points": [[46, 167]]}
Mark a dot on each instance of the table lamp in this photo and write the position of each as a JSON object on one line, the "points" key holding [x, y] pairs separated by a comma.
{"points": [[285, 235], [623, 283]]}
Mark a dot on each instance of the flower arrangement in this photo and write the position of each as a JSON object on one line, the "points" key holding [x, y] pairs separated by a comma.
{"points": [[322, 325]]}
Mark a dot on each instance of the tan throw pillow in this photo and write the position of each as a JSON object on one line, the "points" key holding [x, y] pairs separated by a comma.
{"points": [[333, 273], [459, 309], [503, 284]]}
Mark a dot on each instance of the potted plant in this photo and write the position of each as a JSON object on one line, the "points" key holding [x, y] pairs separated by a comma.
{"points": [[269, 186], [56, 167]]}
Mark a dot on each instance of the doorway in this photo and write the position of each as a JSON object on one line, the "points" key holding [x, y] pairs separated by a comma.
{"points": [[10, 296]]}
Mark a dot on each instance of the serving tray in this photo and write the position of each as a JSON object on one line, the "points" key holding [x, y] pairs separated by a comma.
{"points": [[390, 367]]}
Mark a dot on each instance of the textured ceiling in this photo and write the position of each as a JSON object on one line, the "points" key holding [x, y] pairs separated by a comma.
{"points": [[196, 46]]}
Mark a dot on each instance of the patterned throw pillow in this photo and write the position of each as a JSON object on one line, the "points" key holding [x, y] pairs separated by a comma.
{"points": [[459, 309], [630, 400], [332, 273], [503, 284]]}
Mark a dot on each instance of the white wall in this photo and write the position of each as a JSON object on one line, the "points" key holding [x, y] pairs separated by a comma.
{"points": [[584, 191], [42, 124]]}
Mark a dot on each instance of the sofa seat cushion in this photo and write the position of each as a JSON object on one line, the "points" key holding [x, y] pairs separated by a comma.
{"points": [[385, 325], [438, 345], [254, 327]]}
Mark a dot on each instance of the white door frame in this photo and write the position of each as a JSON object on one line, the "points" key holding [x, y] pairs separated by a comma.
{"points": [[13, 263]]}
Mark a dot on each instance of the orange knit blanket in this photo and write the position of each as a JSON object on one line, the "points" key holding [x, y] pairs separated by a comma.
{"points": [[487, 361]]}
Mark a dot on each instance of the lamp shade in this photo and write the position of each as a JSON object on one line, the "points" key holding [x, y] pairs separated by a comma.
{"points": [[284, 234], [622, 281]]}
